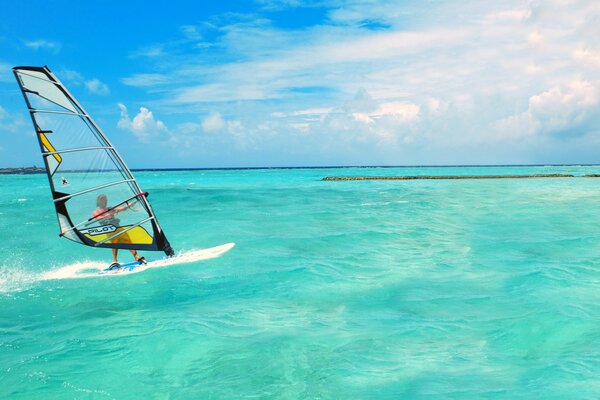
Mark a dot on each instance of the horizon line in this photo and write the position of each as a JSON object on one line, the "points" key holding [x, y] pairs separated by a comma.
{"points": [[35, 169]]}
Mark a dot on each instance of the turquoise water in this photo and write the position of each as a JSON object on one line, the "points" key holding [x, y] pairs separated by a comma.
{"points": [[335, 290]]}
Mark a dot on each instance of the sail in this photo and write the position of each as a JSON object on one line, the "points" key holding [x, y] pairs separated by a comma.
{"points": [[98, 201]]}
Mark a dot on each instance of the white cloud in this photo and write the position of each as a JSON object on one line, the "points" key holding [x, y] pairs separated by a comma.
{"points": [[397, 111], [190, 32], [42, 44], [321, 64], [433, 82], [209, 136], [71, 77], [213, 123], [535, 38], [561, 107], [6, 73], [518, 15], [400, 110], [587, 56], [146, 80], [309, 113], [222, 92], [97, 87], [533, 69], [74, 78], [362, 117], [143, 125], [11, 123], [384, 45], [435, 106], [276, 5], [561, 110], [150, 52]]}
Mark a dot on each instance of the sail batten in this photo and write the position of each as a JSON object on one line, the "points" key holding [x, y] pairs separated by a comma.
{"points": [[85, 172], [67, 197], [49, 153], [58, 112]]}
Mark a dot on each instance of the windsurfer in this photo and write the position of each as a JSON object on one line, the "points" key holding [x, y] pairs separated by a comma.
{"points": [[109, 216]]}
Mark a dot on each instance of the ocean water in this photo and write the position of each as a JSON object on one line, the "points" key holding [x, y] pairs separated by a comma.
{"points": [[463, 289]]}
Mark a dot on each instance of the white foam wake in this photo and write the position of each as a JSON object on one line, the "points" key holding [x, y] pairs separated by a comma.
{"points": [[73, 271], [16, 279]]}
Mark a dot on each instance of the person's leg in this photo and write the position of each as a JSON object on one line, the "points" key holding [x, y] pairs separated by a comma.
{"points": [[115, 251], [137, 257]]}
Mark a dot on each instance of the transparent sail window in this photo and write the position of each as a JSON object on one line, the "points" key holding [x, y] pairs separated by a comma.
{"points": [[117, 203], [82, 170], [68, 131]]}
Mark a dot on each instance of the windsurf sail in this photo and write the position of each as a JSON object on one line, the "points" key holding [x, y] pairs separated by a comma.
{"points": [[98, 201]]}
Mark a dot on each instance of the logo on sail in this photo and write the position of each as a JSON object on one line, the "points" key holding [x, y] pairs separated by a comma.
{"points": [[99, 230]]}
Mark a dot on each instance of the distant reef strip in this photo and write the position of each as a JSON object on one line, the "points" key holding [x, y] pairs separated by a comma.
{"points": [[22, 170], [441, 177]]}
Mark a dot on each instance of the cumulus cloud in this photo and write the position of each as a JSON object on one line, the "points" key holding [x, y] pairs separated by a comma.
{"points": [[399, 111], [362, 121], [144, 126], [96, 87], [213, 123], [209, 136], [561, 110], [587, 56], [562, 107], [435, 106]]}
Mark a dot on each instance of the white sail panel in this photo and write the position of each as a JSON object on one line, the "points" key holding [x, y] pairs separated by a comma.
{"points": [[45, 93]]}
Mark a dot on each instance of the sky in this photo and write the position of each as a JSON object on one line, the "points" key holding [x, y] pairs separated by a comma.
{"points": [[190, 84]]}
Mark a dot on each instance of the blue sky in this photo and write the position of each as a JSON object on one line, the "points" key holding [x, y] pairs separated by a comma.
{"points": [[301, 83]]}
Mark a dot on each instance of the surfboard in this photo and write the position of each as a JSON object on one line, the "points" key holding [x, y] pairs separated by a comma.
{"points": [[182, 258]]}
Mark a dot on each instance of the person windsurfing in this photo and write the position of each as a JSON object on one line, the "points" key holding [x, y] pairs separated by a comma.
{"points": [[109, 216]]}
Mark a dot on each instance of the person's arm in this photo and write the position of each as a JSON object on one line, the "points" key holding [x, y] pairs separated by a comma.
{"points": [[122, 208]]}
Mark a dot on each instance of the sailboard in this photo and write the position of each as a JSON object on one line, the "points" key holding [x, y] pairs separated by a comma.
{"points": [[181, 258], [98, 202]]}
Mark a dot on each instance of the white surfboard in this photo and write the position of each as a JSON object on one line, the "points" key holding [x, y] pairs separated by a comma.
{"points": [[94, 269], [183, 258]]}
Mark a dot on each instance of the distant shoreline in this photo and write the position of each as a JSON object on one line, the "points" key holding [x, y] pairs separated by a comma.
{"points": [[452, 177], [40, 170], [22, 170]]}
